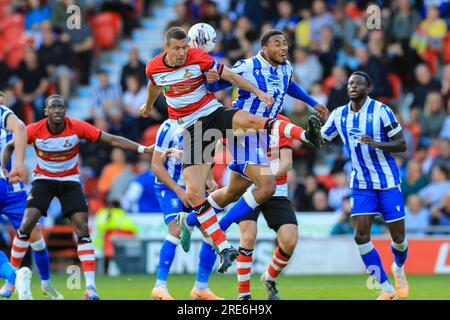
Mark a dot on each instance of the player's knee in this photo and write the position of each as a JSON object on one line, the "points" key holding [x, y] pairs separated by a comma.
{"points": [[248, 240], [361, 238], [195, 195], [232, 195], [267, 189]]}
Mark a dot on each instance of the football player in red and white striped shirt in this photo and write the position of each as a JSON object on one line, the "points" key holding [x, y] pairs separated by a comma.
{"points": [[179, 73], [56, 140]]}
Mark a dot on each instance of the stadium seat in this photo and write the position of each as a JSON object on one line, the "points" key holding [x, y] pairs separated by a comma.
{"points": [[107, 26], [14, 53], [446, 49], [396, 84], [149, 137]]}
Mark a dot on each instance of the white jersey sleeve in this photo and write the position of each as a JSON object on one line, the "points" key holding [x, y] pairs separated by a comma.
{"points": [[329, 129]]}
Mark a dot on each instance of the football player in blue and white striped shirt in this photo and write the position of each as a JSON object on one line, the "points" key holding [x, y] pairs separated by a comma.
{"points": [[14, 208], [171, 194], [10, 124], [371, 133]]}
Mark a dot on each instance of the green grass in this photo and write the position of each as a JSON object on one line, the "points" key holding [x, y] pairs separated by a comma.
{"points": [[346, 287]]}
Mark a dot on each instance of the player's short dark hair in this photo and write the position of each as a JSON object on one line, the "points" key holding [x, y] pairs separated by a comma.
{"points": [[364, 75], [175, 33], [268, 34], [54, 96]]}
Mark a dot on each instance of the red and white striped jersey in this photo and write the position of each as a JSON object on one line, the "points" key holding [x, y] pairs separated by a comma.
{"points": [[184, 86], [57, 154]]}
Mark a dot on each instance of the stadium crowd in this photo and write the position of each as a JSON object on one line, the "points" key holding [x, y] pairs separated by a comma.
{"points": [[408, 58]]}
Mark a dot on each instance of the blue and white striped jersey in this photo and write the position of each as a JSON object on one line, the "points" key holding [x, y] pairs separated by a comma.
{"points": [[273, 80], [5, 137], [371, 168], [170, 135]]}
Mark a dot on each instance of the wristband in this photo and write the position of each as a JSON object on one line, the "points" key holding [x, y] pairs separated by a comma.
{"points": [[141, 149]]}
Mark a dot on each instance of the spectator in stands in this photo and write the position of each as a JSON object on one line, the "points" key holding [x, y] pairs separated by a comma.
{"points": [[183, 19], [404, 21], [59, 12], [321, 18], [318, 94], [344, 224], [5, 75], [303, 29], [134, 67], [338, 93], [445, 132], [432, 194], [443, 158], [112, 221], [58, 58], [140, 196], [338, 193], [82, 43], [211, 15], [112, 170], [134, 96], [377, 70], [320, 202], [32, 82], [344, 28], [445, 83], [247, 36], [433, 29], [441, 213], [433, 116], [327, 50], [106, 98], [417, 217], [307, 68], [37, 13], [230, 42], [303, 195], [286, 20], [415, 179], [414, 126], [121, 183], [424, 85]]}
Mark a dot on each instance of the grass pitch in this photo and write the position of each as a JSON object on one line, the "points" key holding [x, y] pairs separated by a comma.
{"points": [[335, 287]]}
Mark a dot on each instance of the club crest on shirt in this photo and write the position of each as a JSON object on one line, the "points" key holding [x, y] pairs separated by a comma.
{"points": [[67, 144], [187, 74]]}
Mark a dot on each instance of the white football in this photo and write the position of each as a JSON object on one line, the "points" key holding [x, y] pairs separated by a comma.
{"points": [[202, 36]]}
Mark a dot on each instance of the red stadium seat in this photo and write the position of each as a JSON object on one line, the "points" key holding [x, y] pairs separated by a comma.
{"points": [[107, 26], [14, 21], [396, 84], [446, 49], [14, 54]]}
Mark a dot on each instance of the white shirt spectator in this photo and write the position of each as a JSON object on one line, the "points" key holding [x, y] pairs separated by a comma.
{"points": [[133, 101]]}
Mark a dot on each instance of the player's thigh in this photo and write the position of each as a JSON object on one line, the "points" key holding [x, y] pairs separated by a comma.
{"points": [[278, 211], [245, 120], [260, 174], [248, 231], [195, 177], [14, 208], [72, 198], [169, 203], [391, 203], [41, 194], [234, 190]]}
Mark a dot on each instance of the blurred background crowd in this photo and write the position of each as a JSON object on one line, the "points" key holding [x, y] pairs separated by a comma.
{"points": [[408, 58]]}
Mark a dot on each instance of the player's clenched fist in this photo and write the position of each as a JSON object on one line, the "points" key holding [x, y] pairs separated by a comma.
{"points": [[212, 75], [16, 174], [266, 98], [145, 110]]}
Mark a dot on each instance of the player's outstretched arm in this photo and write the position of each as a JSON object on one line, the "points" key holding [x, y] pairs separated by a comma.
{"points": [[124, 143], [18, 128], [153, 92], [295, 91], [243, 84], [396, 144]]}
